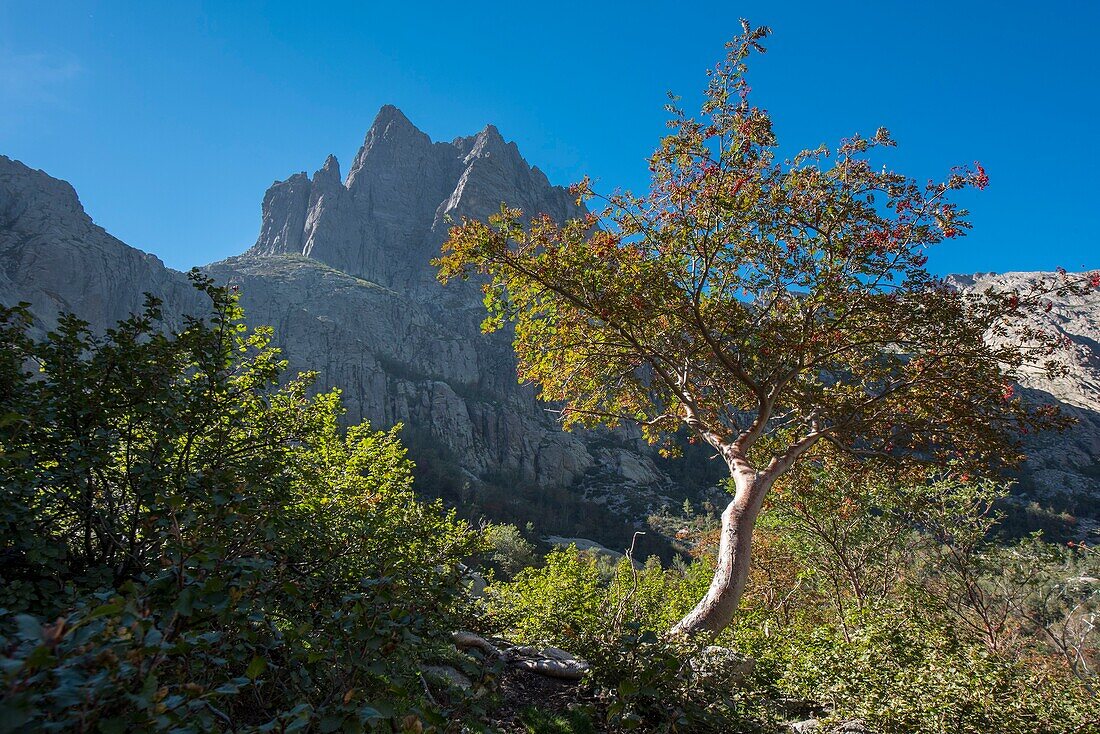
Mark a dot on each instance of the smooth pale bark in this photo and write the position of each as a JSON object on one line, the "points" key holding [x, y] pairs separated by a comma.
{"points": [[716, 610]]}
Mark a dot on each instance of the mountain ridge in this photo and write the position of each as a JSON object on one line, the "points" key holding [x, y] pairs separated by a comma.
{"points": [[340, 268]]}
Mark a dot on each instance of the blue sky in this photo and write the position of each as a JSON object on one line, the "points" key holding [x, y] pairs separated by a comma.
{"points": [[172, 118]]}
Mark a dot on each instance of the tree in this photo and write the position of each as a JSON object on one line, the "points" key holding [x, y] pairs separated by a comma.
{"points": [[770, 306]]}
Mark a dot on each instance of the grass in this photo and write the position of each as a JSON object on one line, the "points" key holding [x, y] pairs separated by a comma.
{"points": [[537, 721]]}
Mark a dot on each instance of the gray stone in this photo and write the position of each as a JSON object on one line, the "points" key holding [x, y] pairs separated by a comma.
{"points": [[448, 674], [1062, 469], [53, 256], [721, 665]]}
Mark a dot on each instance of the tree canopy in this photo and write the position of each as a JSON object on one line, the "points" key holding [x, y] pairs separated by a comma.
{"points": [[768, 304]]}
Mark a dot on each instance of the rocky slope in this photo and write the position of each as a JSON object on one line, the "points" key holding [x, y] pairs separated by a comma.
{"points": [[54, 257], [1062, 470], [398, 359]]}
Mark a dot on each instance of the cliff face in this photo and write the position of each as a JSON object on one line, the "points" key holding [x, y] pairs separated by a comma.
{"points": [[388, 219], [398, 359], [1062, 469], [341, 270], [54, 257]]}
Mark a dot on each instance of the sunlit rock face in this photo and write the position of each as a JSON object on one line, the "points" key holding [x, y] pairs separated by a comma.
{"points": [[390, 216], [1062, 469]]}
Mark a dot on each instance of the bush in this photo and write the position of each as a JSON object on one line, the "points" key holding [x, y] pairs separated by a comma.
{"points": [[898, 603], [902, 674], [894, 602], [189, 547], [509, 551], [642, 681]]}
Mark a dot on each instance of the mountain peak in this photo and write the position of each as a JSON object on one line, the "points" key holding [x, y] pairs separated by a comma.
{"points": [[330, 171], [391, 137], [390, 122], [389, 112], [488, 143], [388, 219]]}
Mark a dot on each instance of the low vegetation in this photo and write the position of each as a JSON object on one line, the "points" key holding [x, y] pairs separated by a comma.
{"points": [[189, 546], [893, 604]]}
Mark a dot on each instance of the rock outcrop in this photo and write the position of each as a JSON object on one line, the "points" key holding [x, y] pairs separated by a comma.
{"points": [[341, 271], [1062, 469], [53, 256]]}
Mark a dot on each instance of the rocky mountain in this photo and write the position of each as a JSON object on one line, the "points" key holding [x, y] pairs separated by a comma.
{"points": [[1062, 471], [389, 217], [341, 270], [54, 257]]}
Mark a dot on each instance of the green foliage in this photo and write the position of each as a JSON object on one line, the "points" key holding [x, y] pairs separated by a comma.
{"points": [[642, 681], [509, 552], [891, 601], [558, 603], [898, 603], [216, 553], [536, 721], [903, 674]]}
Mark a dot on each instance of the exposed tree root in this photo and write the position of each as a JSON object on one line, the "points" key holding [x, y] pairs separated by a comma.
{"points": [[548, 661]]}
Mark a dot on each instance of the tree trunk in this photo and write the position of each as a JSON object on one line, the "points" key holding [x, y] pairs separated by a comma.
{"points": [[715, 611]]}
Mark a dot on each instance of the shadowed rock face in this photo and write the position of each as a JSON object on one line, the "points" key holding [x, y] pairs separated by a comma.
{"points": [[54, 257], [398, 359], [341, 270]]}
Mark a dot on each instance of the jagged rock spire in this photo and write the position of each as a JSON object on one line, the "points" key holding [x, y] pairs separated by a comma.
{"points": [[390, 216]]}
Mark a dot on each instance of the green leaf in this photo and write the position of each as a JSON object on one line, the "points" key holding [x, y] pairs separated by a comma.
{"points": [[29, 627], [185, 605], [331, 723], [12, 718], [103, 610], [256, 668]]}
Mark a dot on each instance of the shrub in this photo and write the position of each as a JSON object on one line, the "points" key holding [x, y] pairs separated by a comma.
{"points": [[642, 681], [899, 603], [189, 547], [509, 552], [889, 601]]}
